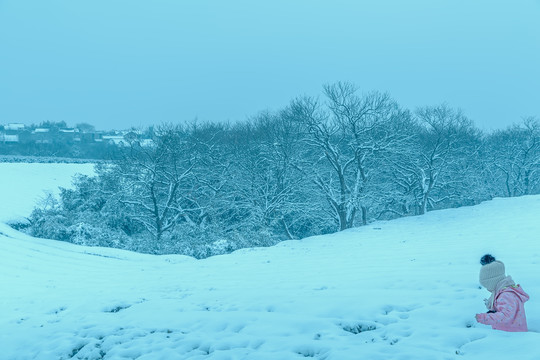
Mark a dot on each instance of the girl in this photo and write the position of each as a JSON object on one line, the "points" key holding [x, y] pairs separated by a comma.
{"points": [[506, 304]]}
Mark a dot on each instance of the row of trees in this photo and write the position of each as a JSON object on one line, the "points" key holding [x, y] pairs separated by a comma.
{"points": [[315, 167]]}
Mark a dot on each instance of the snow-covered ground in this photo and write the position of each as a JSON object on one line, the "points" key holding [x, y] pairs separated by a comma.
{"points": [[403, 289], [22, 185]]}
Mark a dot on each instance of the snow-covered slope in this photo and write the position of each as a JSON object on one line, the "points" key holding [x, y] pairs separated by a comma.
{"points": [[403, 289]]}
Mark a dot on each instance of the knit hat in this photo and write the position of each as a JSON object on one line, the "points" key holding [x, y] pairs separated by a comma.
{"points": [[491, 274]]}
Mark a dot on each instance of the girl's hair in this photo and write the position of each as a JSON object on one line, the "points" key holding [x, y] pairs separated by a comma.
{"points": [[487, 259]]}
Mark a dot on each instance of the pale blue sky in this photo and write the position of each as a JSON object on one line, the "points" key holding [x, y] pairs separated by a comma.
{"points": [[118, 63]]}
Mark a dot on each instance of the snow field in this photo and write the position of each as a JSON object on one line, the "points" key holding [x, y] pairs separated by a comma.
{"points": [[24, 185], [402, 289]]}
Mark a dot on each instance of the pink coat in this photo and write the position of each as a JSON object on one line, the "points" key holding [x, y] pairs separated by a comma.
{"points": [[509, 304]]}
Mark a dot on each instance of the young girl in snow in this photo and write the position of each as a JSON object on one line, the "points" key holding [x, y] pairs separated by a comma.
{"points": [[506, 304]]}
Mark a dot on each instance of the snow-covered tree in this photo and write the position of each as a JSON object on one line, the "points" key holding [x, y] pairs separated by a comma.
{"points": [[437, 166], [269, 190], [514, 158], [348, 136], [313, 167], [154, 180]]}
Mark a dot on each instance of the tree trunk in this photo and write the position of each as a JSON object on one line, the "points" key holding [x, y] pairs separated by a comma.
{"points": [[364, 215]]}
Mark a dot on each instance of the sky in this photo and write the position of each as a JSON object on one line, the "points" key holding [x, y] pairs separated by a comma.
{"points": [[123, 63]]}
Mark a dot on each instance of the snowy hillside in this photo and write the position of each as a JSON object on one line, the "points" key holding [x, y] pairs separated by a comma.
{"points": [[404, 289]]}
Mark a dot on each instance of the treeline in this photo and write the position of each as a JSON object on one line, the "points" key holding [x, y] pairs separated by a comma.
{"points": [[65, 149], [315, 167]]}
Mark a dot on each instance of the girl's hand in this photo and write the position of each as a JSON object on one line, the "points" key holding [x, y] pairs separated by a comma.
{"points": [[480, 318]]}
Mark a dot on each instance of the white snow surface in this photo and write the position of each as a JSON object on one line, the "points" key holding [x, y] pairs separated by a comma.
{"points": [[402, 289], [23, 185]]}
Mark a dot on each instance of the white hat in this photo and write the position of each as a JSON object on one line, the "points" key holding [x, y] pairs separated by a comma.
{"points": [[491, 274]]}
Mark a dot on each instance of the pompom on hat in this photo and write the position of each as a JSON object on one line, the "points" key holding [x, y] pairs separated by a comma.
{"points": [[486, 259], [491, 273]]}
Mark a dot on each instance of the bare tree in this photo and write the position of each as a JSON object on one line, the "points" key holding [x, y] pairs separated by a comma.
{"points": [[514, 156], [436, 167], [349, 136], [268, 188], [207, 196], [152, 180]]}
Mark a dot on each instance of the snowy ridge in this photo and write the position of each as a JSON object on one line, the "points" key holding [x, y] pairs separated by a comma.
{"points": [[403, 289]]}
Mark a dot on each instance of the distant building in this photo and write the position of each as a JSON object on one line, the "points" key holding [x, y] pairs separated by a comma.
{"points": [[5, 138], [90, 137], [146, 142], [41, 136], [70, 134], [14, 127], [115, 139], [19, 133]]}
